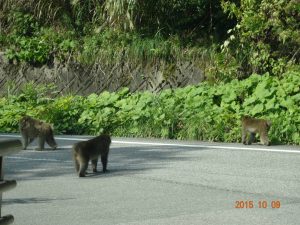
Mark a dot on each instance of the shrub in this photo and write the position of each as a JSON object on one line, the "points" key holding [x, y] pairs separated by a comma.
{"points": [[202, 112]]}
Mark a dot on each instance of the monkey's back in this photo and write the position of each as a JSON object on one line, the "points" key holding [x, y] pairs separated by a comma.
{"points": [[254, 124], [93, 147], [34, 127]]}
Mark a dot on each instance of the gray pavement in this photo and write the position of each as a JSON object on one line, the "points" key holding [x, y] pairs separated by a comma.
{"points": [[156, 182]]}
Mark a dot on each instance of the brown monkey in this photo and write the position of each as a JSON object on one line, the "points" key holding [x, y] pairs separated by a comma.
{"points": [[252, 126], [31, 128], [85, 151]]}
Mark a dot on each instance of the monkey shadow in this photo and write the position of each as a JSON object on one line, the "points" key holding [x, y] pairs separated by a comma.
{"points": [[275, 142], [257, 143], [115, 172]]}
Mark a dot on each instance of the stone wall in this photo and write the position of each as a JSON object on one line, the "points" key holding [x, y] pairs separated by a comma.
{"points": [[78, 79]]}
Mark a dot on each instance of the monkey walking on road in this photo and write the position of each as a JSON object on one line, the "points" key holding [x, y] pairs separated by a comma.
{"points": [[252, 126], [31, 128], [85, 151]]}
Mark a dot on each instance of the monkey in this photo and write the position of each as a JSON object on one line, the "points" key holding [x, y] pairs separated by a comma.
{"points": [[85, 151], [252, 126], [31, 128]]}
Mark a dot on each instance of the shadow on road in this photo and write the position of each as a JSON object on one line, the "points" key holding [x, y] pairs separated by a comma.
{"points": [[115, 172], [148, 154], [122, 160], [31, 200]]}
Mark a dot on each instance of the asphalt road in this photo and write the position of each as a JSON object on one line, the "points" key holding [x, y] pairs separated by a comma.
{"points": [[157, 182]]}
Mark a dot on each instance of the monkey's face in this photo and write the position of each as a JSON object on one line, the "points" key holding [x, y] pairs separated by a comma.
{"points": [[24, 123]]}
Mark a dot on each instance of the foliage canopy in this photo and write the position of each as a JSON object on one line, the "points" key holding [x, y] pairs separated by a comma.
{"points": [[232, 39]]}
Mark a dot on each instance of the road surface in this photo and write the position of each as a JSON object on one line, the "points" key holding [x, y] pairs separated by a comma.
{"points": [[157, 182]]}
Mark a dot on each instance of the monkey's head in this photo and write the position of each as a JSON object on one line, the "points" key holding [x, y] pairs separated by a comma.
{"points": [[25, 122]]}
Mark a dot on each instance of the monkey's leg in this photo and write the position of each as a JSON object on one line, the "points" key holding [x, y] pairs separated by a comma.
{"points": [[24, 141], [27, 142], [30, 140], [244, 136], [77, 165], [104, 162], [94, 165], [83, 167], [41, 143], [264, 139], [251, 138]]}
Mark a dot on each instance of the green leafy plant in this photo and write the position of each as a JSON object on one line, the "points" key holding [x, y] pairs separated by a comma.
{"points": [[266, 36], [204, 112]]}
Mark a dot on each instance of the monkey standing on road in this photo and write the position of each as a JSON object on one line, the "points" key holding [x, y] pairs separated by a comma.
{"points": [[252, 126], [85, 151], [31, 128]]}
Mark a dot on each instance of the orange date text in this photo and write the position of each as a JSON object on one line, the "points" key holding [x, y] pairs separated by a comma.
{"points": [[261, 204]]}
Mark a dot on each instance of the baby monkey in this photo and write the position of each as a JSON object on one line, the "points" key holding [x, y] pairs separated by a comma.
{"points": [[85, 151], [252, 126]]}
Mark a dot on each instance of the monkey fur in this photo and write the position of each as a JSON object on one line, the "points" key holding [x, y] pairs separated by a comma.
{"points": [[31, 128], [252, 126], [85, 151]]}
